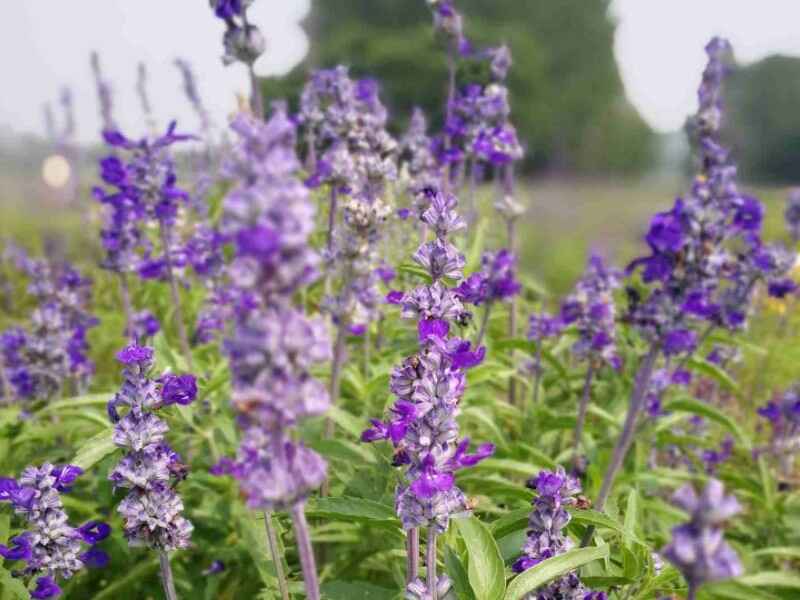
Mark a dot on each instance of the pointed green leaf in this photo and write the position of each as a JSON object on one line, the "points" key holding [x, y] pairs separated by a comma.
{"points": [[552, 568], [485, 568]]}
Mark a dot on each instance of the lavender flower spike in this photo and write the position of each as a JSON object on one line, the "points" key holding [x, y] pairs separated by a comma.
{"points": [[52, 549], [556, 491], [428, 386], [152, 511], [698, 549]]}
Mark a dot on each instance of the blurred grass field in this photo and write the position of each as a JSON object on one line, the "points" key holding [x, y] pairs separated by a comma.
{"points": [[565, 220]]}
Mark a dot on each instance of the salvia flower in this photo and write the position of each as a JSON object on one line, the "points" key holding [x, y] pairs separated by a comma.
{"points": [[272, 346], [556, 491], [706, 254], [783, 415], [494, 282], [51, 548], [152, 511], [243, 41], [698, 549], [428, 386]]}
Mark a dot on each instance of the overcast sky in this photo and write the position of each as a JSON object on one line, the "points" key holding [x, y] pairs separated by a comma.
{"points": [[46, 45]]}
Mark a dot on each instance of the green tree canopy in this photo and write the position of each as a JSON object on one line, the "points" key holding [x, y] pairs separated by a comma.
{"points": [[567, 97]]}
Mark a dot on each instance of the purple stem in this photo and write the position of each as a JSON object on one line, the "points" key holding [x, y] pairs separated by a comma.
{"points": [[332, 217], [167, 580], [336, 373], [484, 324], [626, 437], [412, 555], [125, 293], [306, 551], [587, 391], [430, 562]]}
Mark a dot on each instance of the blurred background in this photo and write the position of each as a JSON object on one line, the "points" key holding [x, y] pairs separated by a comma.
{"points": [[600, 92]]}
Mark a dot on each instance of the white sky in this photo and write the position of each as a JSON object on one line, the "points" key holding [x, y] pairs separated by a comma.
{"points": [[46, 44]]}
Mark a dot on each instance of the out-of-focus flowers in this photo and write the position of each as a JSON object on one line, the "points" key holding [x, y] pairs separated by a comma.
{"points": [[698, 549]]}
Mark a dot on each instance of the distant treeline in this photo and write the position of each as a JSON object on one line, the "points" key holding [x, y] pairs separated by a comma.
{"points": [[568, 100]]}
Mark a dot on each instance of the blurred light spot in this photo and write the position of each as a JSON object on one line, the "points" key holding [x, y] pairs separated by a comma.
{"points": [[56, 171]]}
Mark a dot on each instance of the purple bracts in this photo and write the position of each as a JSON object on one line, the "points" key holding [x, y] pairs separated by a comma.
{"points": [[428, 386], [556, 490], [273, 346], [152, 511], [51, 548], [698, 549]]}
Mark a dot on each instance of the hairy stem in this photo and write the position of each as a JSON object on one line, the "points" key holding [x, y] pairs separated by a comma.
{"points": [[587, 392], [167, 581], [366, 356], [275, 555], [256, 97], [512, 316], [412, 555], [176, 297], [5, 383], [628, 429], [332, 217], [127, 305], [305, 551], [484, 324], [430, 562], [311, 152]]}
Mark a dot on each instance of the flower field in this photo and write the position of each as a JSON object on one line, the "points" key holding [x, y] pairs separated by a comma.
{"points": [[310, 358]]}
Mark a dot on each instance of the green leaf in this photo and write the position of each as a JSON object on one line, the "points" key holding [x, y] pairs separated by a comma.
{"points": [[781, 579], [94, 450], [355, 590], [714, 372], [631, 517], [511, 521], [346, 508], [12, 588], [78, 401], [352, 425], [787, 551], [485, 569], [552, 568], [458, 574], [702, 409], [123, 583], [598, 519], [507, 465]]}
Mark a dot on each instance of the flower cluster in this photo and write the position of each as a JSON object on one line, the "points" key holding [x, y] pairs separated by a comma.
{"points": [[152, 510], [590, 307], [783, 415], [428, 386], [792, 214], [142, 188], [53, 350], [273, 346], [698, 549], [346, 125], [706, 253], [556, 491], [104, 95], [51, 548], [416, 155], [243, 41], [495, 281]]}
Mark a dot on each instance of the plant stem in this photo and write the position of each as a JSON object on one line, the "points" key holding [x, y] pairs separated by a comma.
{"points": [[332, 217], [512, 315], [127, 306], [484, 324], [412, 555], [167, 580], [8, 391], [306, 551], [430, 562], [587, 391], [366, 354], [336, 374], [626, 437], [537, 362], [256, 98], [311, 152], [451, 94], [274, 552], [691, 593], [176, 296]]}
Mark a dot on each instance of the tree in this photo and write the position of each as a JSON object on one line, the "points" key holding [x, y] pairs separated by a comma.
{"points": [[567, 96]]}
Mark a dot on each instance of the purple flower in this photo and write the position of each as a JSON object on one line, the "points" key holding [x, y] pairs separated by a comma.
{"points": [[679, 341], [698, 548], [94, 532], [781, 288], [134, 354], [46, 587], [20, 550], [433, 327], [94, 558], [178, 389]]}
